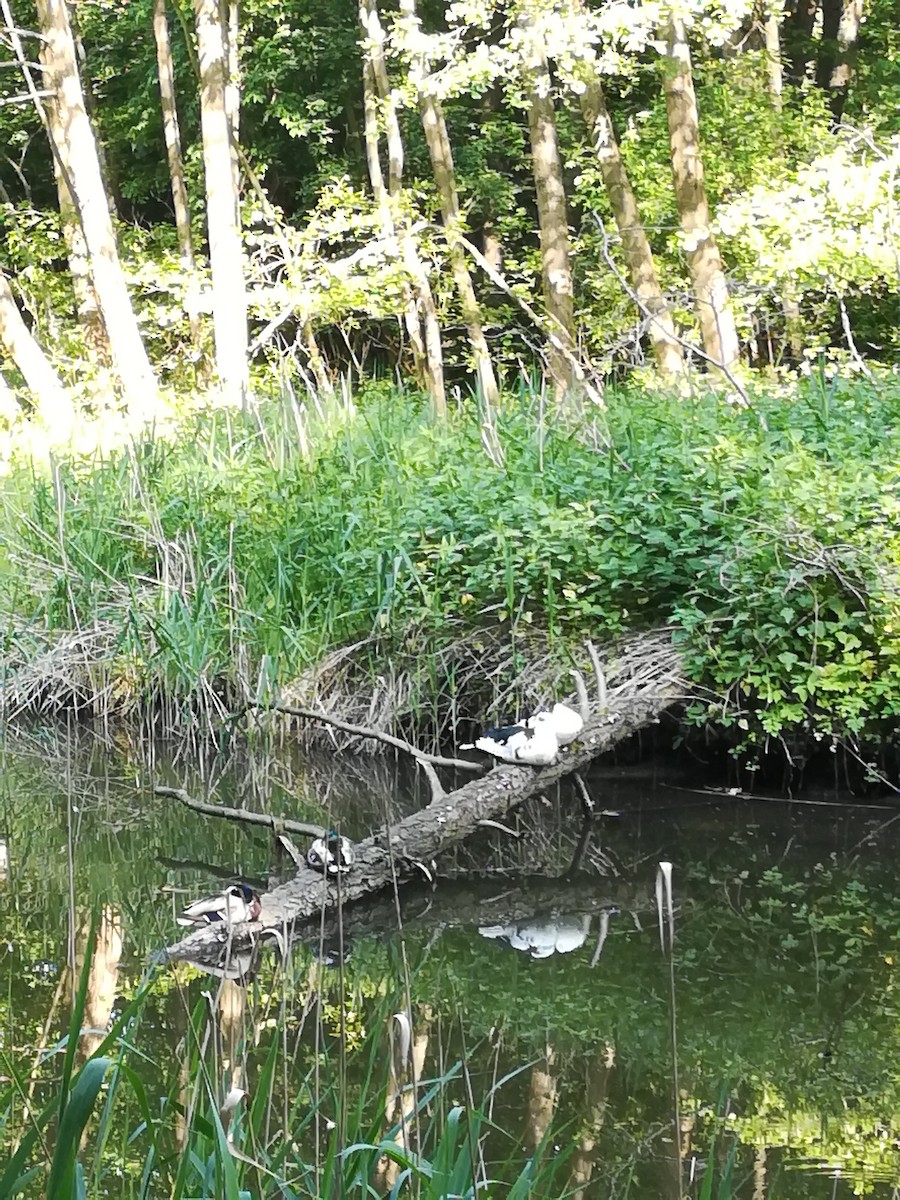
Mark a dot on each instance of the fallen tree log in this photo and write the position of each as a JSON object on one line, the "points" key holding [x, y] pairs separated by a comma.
{"points": [[386, 857]]}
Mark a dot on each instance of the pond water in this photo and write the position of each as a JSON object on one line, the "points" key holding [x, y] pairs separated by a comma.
{"points": [[762, 1059]]}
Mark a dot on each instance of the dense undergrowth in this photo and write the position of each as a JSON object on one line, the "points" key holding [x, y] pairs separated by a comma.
{"points": [[226, 562]]}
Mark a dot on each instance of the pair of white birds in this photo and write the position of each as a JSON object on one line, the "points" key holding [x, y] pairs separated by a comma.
{"points": [[535, 741]]}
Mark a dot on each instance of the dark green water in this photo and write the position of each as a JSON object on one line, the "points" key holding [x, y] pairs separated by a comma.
{"points": [[786, 996]]}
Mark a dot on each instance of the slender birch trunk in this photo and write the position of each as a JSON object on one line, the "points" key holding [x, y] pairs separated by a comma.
{"points": [[52, 403], [775, 63], [556, 272], [379, 84], [87, 308], [229, 293], [543, 1093], [438, 142], [230, 17], [717, 327], [166, 76], [113, 195], [127, 349], [799, 20], [839, 60], [636, 247], [9, 408]]}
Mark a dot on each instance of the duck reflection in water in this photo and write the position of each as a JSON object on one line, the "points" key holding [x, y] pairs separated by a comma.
{"points": [[540, 939]]}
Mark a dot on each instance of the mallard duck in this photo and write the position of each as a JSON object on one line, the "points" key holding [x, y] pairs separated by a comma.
{"points": [[567, 723], [332, 855], [237, 903], [534, 743]]}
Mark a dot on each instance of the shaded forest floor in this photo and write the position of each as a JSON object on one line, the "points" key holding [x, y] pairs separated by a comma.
{"points": [[371, 560]]}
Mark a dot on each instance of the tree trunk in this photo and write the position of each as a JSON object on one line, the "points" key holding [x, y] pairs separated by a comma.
{"points": [[837, 56], [52, 403], [635, 245], [80, 156], [412, 262], [87, 309], [166, 75], [556, 273], [797, 28], [599, 1070], [229, 294], [113, 195], [230, 18], [717, 327], [543, 1091], [103, 977], [438, 142], [789, 304], [9, 410], [773, 56]]}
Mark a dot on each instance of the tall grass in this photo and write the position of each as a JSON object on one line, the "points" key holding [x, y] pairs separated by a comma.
{"points": [[186, 575], [298, 1132]]}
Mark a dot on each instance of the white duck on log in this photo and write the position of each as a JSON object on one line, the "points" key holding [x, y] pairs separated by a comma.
{"points": [[535, 744], [236, 904], [332, 854], [567, 724]]}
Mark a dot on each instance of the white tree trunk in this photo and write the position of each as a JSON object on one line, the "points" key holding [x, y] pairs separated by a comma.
{"points": [[412, 262], [635, 244], [716, 319], [166, 75], [438, 142], [230, 17], [229, 294], [556, 271], [52, 403], [128, 352]]}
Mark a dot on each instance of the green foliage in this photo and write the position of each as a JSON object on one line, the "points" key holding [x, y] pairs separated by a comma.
{"points": [[766, 536]]}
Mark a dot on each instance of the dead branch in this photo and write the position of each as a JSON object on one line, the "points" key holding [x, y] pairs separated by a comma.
{"points": [[307, 714], [599, 677], [557, 342], [241, 814], [738, 387]]}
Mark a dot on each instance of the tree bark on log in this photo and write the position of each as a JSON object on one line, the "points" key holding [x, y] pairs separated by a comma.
{"points": [[383, 857]]}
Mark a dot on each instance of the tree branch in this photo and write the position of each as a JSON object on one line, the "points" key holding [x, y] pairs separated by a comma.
{"points": [[307, 714], [241, 814]]}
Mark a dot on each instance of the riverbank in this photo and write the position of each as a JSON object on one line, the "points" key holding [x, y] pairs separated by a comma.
{"points": [[385, 561]]}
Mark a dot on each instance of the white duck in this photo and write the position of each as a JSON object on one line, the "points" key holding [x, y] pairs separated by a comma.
{"points": [[534, 743], [236, 904], [332, 854], [566, 722]]}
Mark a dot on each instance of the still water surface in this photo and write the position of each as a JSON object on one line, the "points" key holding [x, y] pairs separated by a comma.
{"points": [[533, 973]]}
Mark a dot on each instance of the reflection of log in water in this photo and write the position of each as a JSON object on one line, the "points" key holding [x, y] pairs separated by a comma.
{"points": [[450, 817], [408, 1050], [599, 1069], [456, 904], [543, 1091], [103, 977]]}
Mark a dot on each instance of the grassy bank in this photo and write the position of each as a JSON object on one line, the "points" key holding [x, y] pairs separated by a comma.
{"points": [[187, 574]]}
